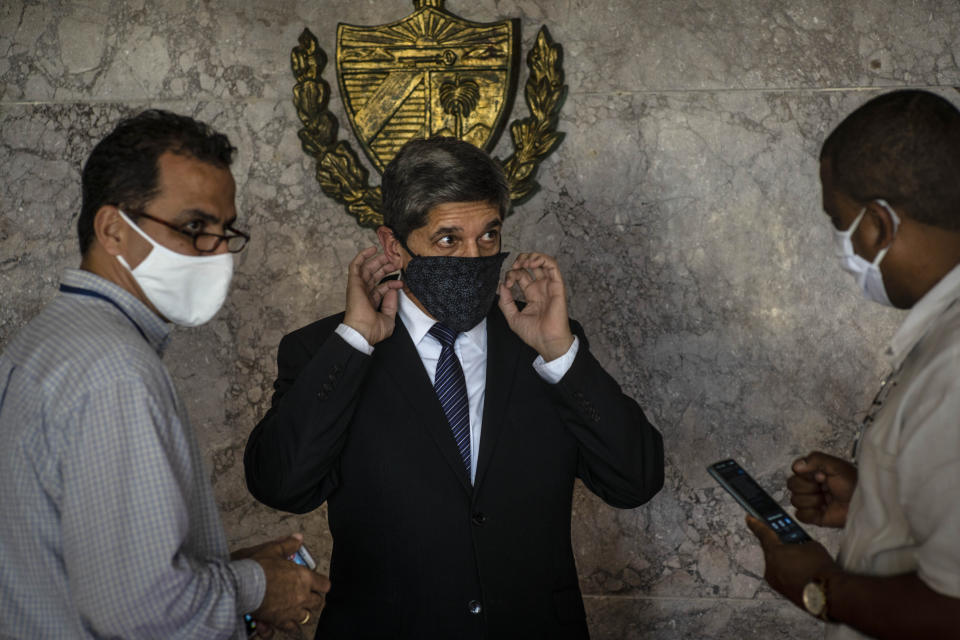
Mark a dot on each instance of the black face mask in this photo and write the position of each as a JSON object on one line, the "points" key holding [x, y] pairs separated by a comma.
{"points": [[458, 292]]}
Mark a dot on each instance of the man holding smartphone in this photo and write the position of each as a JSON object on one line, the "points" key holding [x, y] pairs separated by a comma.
{"points": [[110, 528], [891, 187]]}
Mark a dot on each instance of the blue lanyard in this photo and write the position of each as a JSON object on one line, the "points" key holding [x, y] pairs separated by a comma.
{"points": [[96, 294]]}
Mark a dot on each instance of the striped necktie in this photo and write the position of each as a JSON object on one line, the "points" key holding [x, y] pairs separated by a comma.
{"points": [[451, 388]]}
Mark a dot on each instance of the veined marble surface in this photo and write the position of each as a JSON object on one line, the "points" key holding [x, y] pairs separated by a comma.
{"points": [[683, 205]]}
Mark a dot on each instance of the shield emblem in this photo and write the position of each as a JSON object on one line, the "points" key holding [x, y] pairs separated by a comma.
{"points": [[432, 73]]}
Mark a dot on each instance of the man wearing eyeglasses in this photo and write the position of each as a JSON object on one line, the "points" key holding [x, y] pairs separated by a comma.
{"points": [[110, 527]]}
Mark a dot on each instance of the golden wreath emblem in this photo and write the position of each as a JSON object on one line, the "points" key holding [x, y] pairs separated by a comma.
{"points": [[429, 74]]}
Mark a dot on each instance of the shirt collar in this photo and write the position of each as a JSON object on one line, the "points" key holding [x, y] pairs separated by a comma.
{"points": [[156, 330], [923, 314], [418, 323]]}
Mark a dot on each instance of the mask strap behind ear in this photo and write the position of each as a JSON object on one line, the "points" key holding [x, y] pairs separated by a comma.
{"points": [[403, 243], [136, 227], [893, 214], [896, 225]]}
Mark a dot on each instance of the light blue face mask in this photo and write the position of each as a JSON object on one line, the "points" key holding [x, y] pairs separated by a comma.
{"points": [[867, 274]]}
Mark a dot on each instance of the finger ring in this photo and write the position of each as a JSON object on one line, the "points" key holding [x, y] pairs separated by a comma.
{"points": [[306, 618]]}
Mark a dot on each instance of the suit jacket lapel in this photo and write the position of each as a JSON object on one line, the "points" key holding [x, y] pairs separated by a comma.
{"points": [[503, 351], [399, 356]]}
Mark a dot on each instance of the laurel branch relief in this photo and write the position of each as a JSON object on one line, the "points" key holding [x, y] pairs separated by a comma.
{"points": [[339, 171]]}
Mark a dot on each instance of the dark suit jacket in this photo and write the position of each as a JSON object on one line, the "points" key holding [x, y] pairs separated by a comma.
{"points": [[418, 553]]}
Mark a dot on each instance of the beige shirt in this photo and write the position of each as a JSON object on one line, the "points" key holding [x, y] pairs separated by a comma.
{"points": [[905, 513]]}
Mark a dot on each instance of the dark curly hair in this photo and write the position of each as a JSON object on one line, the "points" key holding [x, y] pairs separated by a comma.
{"points": [[122, 168], [903, 147]]}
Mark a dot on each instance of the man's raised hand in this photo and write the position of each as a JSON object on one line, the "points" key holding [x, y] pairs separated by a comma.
{"points": [[821, 488], [543, 323], [371, 305]]}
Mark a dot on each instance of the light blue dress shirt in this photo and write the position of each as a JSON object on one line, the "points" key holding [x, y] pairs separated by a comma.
{"points": [[109, 527]]}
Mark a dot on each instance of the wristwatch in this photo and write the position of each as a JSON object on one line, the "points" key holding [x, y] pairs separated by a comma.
{"points": [[815, 598]]}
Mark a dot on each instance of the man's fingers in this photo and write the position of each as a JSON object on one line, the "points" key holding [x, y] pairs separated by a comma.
{"points": [[520, 261], [375, 268], [320, 583], [314, 602], [520, 277], [810, 516], [807, 501], [506, 302], [355, 272], [803, 468], [389, 302], [764, 533], [379, 291], [553, 273], [534, 260], [289, 627], [817, 461], [802, 485], [370, 266], [382, 272], [289, 545], [535, 269], [361, 257]]}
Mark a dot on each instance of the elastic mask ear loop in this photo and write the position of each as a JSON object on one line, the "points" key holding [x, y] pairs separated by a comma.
{"points": [[896, 225], [403, 243]]}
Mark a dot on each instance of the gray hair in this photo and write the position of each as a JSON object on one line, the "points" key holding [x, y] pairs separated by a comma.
{"points": [[430, 172]]}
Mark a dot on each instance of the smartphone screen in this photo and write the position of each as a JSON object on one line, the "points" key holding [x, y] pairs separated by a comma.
{"points": [[250, 624], [756, 501], [303, 558]]}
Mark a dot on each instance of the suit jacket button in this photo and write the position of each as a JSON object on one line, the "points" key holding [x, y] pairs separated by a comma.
{"points": [[474, 607], [479, 518]]}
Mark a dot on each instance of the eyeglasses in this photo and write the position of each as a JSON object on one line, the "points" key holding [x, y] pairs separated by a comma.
{"points": [[202, 241]]}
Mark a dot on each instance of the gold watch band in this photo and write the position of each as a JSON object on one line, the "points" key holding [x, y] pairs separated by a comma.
{"points": [[815, 598], [826, 600]]}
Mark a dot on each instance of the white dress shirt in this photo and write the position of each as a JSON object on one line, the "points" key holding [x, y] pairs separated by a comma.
{"points": [[471, 349], [905, 512]]}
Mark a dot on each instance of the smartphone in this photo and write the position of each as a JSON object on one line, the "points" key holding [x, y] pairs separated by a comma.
{"points": [[756, 501], [302, 557], [250, 624]]}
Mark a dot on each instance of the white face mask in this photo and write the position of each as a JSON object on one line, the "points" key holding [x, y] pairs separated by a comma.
{"points": [[867, 274], [187, 290]]}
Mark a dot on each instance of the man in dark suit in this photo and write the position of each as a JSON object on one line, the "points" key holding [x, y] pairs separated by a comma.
{"points": [[444, 428]]}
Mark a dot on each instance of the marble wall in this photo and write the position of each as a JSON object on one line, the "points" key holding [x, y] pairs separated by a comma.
{"points": [[683, 205]]}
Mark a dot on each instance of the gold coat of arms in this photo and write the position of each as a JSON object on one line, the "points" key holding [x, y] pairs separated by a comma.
{"points": [[432, 73]]}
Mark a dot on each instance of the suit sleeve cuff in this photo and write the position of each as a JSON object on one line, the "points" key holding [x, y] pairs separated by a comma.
{"points": [[353, 338], [251, 584], [554, 370]]}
